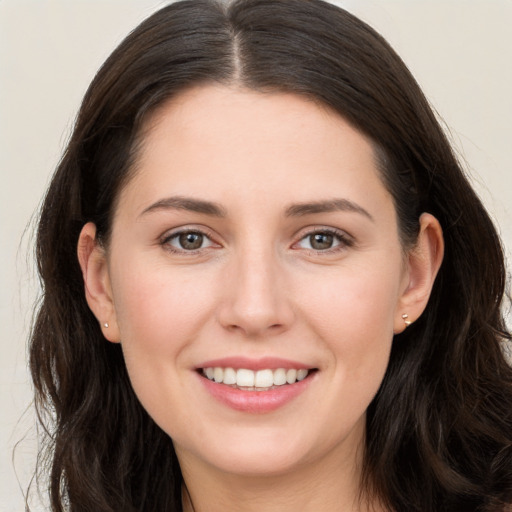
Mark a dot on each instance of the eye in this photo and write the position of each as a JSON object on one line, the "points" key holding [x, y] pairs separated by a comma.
{"points": [[324, 240], [188, 241]]}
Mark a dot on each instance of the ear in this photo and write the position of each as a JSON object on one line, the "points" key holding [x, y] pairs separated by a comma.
{"points": [[98, 290], [422, 264]]}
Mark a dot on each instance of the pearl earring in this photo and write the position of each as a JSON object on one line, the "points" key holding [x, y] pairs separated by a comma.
{"points": [[407, 322], [105, 325]]}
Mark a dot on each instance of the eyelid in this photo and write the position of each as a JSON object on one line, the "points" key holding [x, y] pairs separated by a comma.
{"points": [[345, 239], [175, 232]]}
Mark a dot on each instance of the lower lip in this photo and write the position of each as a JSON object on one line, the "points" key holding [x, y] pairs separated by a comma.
{"points": [[256, 401]]}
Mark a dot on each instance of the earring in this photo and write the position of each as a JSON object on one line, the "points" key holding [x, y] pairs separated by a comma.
{"points": [[105, 325], [407, 322]]}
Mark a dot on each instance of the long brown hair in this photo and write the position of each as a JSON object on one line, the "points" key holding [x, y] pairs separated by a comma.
{"points": [[439, 432]]}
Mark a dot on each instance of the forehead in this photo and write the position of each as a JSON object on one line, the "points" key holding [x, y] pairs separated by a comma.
{"points": [[218, 139], [216, 112]]}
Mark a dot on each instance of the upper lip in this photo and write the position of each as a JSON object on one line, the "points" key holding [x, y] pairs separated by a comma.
{"points": [[272, 363]]}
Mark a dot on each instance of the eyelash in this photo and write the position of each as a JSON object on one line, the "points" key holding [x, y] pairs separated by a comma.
{"points": [[344, 240], [166, 240]]}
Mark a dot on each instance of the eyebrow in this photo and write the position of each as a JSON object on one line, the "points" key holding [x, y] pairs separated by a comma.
{"points": [[330, 205], [186, 203], [216, 210]]}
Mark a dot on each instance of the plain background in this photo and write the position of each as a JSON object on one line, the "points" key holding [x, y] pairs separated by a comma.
{"points": [[459, 50]]}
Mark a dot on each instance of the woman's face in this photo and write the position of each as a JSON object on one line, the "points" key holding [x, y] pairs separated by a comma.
{"points": [[256, 243]]}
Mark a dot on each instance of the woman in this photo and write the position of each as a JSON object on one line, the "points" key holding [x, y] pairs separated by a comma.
{"points": [[286, 292]]}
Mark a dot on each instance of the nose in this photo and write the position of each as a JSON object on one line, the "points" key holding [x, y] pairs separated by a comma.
{"points": [[255, 299]]}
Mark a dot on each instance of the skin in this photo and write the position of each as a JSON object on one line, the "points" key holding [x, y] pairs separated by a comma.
{"points": [[258, 286]]}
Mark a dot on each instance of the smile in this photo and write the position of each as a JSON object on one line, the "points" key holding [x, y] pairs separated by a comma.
{"points": [[249, 380], [256, 385]]}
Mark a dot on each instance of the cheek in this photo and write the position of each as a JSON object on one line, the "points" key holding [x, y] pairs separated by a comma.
{"points": [[159, 313], [361, 301], [353, 315], [158, 307]]}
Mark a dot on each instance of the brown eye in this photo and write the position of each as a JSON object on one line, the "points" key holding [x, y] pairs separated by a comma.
{"points": [[325, 241], [190, 241], [321, 241]]}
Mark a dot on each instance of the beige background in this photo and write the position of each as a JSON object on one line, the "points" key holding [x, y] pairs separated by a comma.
{"points": [[459, 50]]}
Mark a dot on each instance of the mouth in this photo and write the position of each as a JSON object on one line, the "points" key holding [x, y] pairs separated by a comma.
{"points": [[260, 380], [256, 386]]}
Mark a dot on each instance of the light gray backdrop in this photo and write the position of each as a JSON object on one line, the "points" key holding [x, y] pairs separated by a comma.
{"points": [[459, 50]]}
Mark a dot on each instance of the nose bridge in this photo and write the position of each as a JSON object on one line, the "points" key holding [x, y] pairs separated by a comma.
{"points": [[255, 298]]}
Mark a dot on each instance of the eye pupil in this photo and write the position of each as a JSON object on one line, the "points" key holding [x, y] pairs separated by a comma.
{"points": [[191, 241], [321, 241]]}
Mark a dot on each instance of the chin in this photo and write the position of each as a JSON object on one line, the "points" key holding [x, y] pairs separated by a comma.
{"points": [[261, 452]]}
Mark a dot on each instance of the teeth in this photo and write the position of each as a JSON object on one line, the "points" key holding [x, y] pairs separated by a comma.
{"points": [[261, 379], [264, 379], [229, 376], [218, 374], [279, 377], [301, 374], [291, 376], [244, 377]]}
